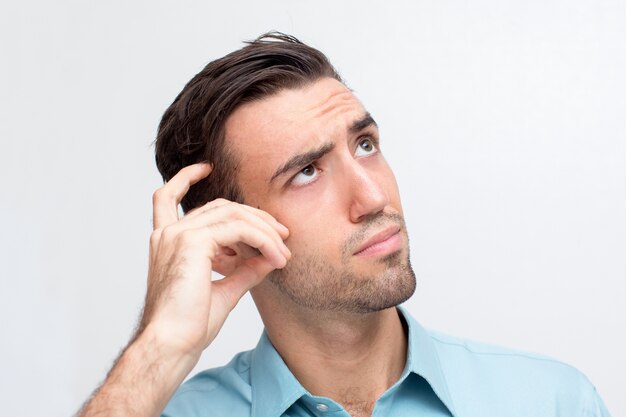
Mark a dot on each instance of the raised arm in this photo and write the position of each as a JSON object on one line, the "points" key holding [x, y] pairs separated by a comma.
{"points": [[184, 309]]}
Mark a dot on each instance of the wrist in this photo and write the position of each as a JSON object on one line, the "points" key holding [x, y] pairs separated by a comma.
{"points": [[148, 371], [164, 349]]}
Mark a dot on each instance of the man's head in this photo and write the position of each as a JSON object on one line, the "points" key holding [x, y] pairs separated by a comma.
{"points": [[192, 128], [305, 150]]}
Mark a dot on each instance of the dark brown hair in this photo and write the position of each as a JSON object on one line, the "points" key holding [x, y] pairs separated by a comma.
{"points": [[192, 128]]}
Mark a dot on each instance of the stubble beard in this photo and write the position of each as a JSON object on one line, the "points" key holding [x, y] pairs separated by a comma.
{"points": [[310, 281]]}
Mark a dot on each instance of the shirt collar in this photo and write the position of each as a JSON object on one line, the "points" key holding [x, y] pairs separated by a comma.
{"points": [[423, 360], [275, 388]]}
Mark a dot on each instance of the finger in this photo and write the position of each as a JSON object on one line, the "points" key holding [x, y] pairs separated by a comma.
{"points": [[208, 206], [280, 228], [226, 213], [244, 278], [155, 238], [206, 241], [166, 199], [227, 260], [231, 233]]}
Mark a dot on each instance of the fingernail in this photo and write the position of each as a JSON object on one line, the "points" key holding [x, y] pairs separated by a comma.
{"points": [[282, 263]]}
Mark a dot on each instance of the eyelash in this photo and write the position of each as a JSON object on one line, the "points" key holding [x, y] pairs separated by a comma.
{"points": [[375, 149]]}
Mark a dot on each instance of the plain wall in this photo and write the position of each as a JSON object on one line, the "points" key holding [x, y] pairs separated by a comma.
{"points": [[504, 122]]}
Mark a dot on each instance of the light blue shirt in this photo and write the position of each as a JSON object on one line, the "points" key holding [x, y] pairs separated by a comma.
{"points": [[443, 376]]}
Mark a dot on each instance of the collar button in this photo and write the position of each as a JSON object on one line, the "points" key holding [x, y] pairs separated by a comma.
{"points": [[321, 407]]}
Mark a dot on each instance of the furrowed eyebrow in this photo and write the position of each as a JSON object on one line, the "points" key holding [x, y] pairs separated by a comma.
{"points": [[306, 158], [303, 159], [362, 123]]}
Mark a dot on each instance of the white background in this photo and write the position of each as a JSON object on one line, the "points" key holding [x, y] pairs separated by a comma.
{"points": [[505, 123]]}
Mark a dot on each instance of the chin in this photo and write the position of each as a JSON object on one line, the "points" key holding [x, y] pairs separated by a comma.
{"points": [[359, 285]]}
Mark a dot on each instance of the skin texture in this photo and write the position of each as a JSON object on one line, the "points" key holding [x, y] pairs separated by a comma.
{"points": [[326, 304], [332, 206], [328, 312]]}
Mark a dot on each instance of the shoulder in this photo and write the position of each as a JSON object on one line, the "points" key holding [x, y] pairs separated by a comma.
{"points": [[509, 379], [215, 392], [472, 352]]}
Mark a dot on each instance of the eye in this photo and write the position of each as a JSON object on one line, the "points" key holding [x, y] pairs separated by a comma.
{"points": [[365, 147], [307, 175]]}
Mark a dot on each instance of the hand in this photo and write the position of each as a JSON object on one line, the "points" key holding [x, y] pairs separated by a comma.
{"points": [[184, 308]]}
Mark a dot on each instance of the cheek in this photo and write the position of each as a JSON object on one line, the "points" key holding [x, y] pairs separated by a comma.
{"points": [[314, 236], [306, 235], [306, 250], [311, 209]]}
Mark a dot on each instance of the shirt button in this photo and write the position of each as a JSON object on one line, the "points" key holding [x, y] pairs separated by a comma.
{"points": [[322, 407]]}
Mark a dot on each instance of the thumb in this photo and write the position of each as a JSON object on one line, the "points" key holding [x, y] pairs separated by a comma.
{"points": [[246, 276]]}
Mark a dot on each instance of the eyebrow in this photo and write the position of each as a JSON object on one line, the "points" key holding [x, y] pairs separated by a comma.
{"points": [[364, 122], [305, 158]]}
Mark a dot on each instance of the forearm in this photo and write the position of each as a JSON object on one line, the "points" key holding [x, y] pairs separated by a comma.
{"points": [[142, 381], [185, 308]]}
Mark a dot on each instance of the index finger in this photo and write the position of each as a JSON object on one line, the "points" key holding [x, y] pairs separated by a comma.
{"points": [[166, 199]]}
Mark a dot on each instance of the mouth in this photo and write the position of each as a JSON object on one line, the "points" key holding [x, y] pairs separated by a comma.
{"points": [[383, 243]]}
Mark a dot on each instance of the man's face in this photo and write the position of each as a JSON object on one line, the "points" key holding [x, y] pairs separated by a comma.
{"points": [[310, 157]]}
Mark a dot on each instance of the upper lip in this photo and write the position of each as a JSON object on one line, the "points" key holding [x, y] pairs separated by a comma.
{"points": [[378, 237]]}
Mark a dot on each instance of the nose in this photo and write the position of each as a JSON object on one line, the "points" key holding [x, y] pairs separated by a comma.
{"points": [[368, 196]]}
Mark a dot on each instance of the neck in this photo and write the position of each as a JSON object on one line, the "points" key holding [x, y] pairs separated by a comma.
{"points": [[351, 358]]}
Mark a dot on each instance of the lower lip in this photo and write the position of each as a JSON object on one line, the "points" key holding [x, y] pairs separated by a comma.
{"points": [[387, 246]]}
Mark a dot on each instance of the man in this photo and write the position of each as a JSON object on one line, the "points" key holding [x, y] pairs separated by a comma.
{"points": [[279, 170]]}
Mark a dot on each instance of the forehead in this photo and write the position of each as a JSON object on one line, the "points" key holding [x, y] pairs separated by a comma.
{"points": [[264, 133]]}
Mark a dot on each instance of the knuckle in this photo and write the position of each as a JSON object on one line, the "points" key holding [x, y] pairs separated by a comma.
{"points": [[186, 237], [157, 195], [155, 236], [236, 215], [163, 194], [168, 233]]}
